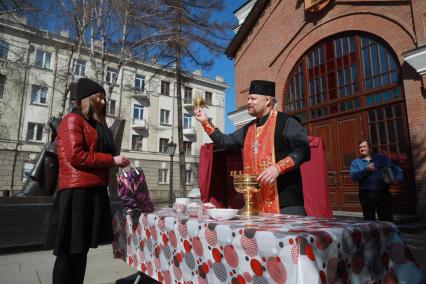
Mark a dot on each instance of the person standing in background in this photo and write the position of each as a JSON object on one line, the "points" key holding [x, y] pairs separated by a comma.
{"points": [[81, 214], [369, 170]]}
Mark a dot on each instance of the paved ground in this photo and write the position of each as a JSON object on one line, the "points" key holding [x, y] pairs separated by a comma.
{"points": [[36, 267], [417, 244]]}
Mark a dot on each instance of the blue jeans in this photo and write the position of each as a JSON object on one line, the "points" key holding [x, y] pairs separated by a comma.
{"points": [[293, 210]]}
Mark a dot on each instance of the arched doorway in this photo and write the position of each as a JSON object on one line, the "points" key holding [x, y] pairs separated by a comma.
{"points": [[346, 87]]}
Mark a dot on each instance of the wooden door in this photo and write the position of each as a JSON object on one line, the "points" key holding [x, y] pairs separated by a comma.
{"points": [[340, 136]]}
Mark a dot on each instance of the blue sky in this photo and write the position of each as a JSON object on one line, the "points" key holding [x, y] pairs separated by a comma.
{"points": [[225, 67], [222, 67]]}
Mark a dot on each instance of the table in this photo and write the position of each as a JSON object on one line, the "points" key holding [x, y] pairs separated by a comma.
{"points": [[270, 248]]}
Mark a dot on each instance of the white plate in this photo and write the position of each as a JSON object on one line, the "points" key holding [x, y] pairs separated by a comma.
{"points": [[221, 214]]}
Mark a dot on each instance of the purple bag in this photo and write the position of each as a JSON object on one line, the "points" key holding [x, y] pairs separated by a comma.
{"points": [[133, 190]]}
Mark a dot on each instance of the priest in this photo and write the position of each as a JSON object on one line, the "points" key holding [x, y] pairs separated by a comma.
{"points": [[274, 145]]}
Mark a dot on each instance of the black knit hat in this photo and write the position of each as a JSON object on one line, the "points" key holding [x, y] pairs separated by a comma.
{"points": [[264, 88], [87, 87]]}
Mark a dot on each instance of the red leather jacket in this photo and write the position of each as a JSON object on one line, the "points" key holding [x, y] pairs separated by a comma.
{"points": [[79, 165]]}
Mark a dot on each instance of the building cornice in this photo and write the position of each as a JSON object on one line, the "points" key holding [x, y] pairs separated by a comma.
{"points": [[246, 27], [417, 59]]}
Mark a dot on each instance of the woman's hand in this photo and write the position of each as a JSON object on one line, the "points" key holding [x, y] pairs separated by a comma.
{"points": [[121, 161]]}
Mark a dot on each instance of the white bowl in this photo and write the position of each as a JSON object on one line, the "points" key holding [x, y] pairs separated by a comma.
{"points": [[222, 213]]}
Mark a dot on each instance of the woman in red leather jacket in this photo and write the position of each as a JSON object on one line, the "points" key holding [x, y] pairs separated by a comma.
{"points": [[81, 215]]}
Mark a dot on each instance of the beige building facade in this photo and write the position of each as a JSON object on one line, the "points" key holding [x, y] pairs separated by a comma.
{"points": [[33, 67]]}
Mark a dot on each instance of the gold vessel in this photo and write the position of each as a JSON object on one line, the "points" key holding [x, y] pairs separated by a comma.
{"points": [[246, 184]]}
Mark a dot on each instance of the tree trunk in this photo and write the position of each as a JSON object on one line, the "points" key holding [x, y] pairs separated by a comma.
{"points": [[180, 121]]}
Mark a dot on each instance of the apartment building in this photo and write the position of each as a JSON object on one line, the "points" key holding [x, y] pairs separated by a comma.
{"points": [[33, 64]]}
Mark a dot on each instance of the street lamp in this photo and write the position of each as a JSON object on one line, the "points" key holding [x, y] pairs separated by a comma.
{"points": [[171, 148]]}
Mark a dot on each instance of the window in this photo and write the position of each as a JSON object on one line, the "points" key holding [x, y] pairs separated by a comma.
{"points": [[26, 170], [187, 121], [163, 175], [380, 68], [209, 98], [187, 99], [2, 82], [164, 117], [137, 142], [79, 68], [39, 95], [346, 73], [165, 88], [188, 176], [4, 49], [188, 147], [163, 145], [111, 75], [43, 59], [138, 111], [295, 99], [111, 107], [386, 125], [139, 83], [35, 131]]}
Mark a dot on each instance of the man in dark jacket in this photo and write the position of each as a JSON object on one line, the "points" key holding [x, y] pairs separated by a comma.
{"points": [[274, 146]]}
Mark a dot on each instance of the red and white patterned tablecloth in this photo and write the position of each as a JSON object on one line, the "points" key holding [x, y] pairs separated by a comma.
{"points": [[270, 248]]}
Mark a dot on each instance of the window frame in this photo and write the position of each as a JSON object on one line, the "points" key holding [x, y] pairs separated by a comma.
{"points": [[163, 176], [134, 142], [187, 95], [111, 103], [163, 88], [139, 78], [111, 75], [187, 145], [4, 48], [37, 131], [189, 178], [36, 93], [79, 65], [187, 121], [328, 64], [166, 112], [141, 112], [163, 145], [2, 85], [26, 172], [208, 97], [44, 54]]}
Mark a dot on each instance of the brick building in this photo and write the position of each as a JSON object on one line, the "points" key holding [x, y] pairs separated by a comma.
{"points": [[347, 69]]}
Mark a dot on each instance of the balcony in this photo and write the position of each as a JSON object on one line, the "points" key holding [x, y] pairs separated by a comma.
{"points": [[188, 104], [139, 124], [141, 95], [189, 131]]}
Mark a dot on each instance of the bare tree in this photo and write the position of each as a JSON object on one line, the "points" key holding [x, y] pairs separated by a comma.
{"points": [[18, 7], [196, 31]]}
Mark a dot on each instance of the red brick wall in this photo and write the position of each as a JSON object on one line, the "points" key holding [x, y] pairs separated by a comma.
{"points": [[284, 33]]}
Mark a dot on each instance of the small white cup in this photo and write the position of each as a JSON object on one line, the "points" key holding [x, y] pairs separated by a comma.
{"points": [[181, 204]]}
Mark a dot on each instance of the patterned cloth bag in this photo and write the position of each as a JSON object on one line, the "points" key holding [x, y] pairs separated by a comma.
{"points": [[133, 190]]}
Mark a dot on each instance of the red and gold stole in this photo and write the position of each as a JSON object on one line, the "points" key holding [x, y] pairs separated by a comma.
{"points": [[258, 154]]}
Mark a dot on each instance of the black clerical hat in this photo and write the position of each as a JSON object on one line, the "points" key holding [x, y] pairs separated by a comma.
{"points": [[264, 88]]}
